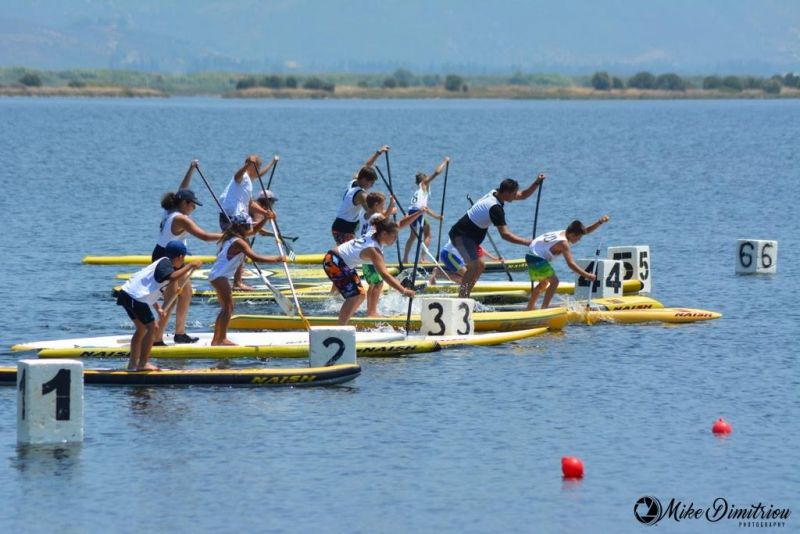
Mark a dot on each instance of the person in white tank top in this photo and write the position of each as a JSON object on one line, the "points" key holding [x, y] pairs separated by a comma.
{"points": [[233, 250], [143, 291], [354, 200], [544, 248], [419, 202], [341, 262], [176, 225], [237, 199]]}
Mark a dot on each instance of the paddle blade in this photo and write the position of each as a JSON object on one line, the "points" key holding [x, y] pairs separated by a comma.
{"points": [[284, 303]]}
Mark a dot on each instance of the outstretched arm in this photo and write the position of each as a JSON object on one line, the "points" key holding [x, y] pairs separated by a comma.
{"points": [[575, 267], [376, 258], [374, 157], [269, 165], [244, 246], [188, 225], [437, 171], [188, 178], [410, 218], [522, 195], [506, 234], [434, 214], [597, 224]]}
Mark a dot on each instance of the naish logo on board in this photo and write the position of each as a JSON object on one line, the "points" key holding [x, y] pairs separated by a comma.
{"points": [[692, 314], [291, 379], [648, 510]]}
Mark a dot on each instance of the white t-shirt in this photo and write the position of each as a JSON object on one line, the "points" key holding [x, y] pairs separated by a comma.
{"points": [[235, 199], [541, 245]]}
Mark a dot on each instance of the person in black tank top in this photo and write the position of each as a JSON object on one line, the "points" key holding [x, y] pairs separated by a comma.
{"points": [[470, 230]]}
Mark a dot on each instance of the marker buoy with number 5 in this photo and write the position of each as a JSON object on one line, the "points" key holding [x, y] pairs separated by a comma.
{"points": [[721, 426], [572, 467]]}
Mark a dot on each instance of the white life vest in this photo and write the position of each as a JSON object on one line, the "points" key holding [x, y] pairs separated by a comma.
{"points": [[479, 213], [347, 210], [166, 234], [224, 267], [235, 199], [420, 199], [351, 251], [143, 285], [541, 245]]}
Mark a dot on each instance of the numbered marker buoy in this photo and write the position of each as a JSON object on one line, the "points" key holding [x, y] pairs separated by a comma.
{"points": [[608, 283], [756, 256], [49, 401], [447, 317], [331, 345], [635, 264]]}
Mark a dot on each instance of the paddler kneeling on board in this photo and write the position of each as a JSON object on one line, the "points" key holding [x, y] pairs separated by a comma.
{"points": [[547, 246], [341, 264], [234, 248], [143, 291], [471, 229]]}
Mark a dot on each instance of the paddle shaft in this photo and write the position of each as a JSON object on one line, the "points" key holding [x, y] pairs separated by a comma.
{"points": [[413, 283], [169, 305], [394, 217], [277, 293], [596, 268], [494, 246], [441, 211], [536, 213], [277, 234]]}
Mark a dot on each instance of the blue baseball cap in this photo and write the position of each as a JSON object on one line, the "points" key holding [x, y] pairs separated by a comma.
{"points": [[242, 219], [187, 194], [175, 249]]}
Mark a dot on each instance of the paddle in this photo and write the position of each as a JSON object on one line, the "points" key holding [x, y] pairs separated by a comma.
{"points": [[441, 212], [280, 298], [536, 213], [596, 268], [494, 246], [413, 280], [278, 242], [169, 305]]}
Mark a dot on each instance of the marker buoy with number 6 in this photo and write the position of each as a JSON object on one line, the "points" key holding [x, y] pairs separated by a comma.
{"points": [[721, 426], [572, 467]]}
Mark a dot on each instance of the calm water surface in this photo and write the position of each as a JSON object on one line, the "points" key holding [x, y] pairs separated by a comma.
{"points": [[466, 440]]}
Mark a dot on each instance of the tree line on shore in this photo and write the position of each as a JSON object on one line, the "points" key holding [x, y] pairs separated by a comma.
{"points": [[603, 81], [226, 82]]}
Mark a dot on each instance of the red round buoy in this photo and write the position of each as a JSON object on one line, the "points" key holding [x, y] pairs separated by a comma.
{"points": [[721, 426], [571, 467]]}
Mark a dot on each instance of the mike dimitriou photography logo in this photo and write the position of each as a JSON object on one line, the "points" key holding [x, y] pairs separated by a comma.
{"points": [[648, 510]]}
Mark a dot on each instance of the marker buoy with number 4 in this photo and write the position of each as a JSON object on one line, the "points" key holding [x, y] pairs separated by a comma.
{"points": [[721, 426], [572, 467]]}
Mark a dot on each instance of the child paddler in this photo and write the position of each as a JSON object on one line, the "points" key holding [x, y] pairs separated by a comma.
{"points": [[470, 230], [354, 201], [545, 248], [176, 225], [375, 212], [234, 248], [452, 264], [341, 264], [419, 201], [237, 199], [143, 291]]}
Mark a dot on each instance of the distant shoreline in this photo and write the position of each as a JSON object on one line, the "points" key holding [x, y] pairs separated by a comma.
{"points": [[511, 92]]}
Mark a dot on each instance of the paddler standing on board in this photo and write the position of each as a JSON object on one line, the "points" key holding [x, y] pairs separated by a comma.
{"points": [[419, 202], [354, 201], [176, 224], [341, 264], [142, 292], [547, 246], [237, 199], [470, 230]]}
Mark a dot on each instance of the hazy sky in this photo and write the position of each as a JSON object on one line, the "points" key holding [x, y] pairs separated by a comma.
{"points": [[567, 35]]}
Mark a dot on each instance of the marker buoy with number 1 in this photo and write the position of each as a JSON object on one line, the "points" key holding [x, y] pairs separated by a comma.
{"points": [[721, 426], [572, 467]]}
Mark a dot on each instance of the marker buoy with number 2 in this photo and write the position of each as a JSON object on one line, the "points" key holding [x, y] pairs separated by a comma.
{"points": [[572, 467], [721, 426]]}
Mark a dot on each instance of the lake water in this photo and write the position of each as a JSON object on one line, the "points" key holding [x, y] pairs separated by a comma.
{"points": [[465, 440]]}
